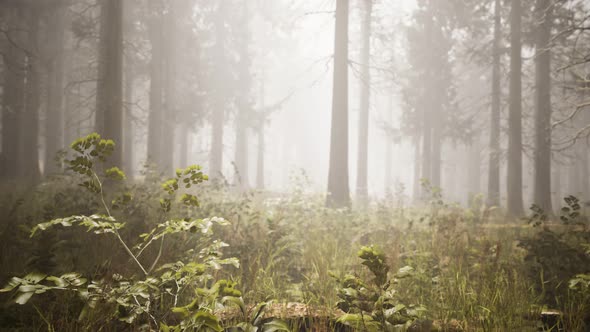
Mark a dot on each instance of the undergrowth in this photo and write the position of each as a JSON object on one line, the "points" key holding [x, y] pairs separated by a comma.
{"points": [[185, 254]]}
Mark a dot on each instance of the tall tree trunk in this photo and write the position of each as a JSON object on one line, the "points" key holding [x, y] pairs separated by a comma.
{"points": [[260, 159], [514, 182], [170, 89], [128, 90], [557, 185], [183, 145], [474, 172], [109, 91], [13, 99], [338, 188], [365, 78], [435, 172], [389, 151], [244, 105], [260, 147], [54, 126], [218, 111], [156, 94], [543, 105], [128, 132], [29, 124], [426, 166], [494, 158], [416, 191]]}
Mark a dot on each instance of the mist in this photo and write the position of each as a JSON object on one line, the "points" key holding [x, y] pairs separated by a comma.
{"points": [[445, 140]]}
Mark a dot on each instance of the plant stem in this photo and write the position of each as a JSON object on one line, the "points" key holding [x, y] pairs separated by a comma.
{"points": [[157, 257], [116, 231]]}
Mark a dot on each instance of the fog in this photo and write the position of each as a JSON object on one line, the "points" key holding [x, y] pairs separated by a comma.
{"points": [[229, 85], [295, 165]]}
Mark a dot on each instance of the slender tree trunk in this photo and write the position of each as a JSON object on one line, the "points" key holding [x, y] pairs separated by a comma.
{"points": [[244, 106], [365, 78], [474, 172], [416, 184], [13, 99], [183, 145], [156, 94], [260, 148], [389, 151], [128, 132], [338, 188], [54, 126], [29, 125], [109, 94], [170, 89], [260, 159], [494, 158], [543, 106], [218, 111], [514, 182], [557, 190], [426, 167], [436, 147]]}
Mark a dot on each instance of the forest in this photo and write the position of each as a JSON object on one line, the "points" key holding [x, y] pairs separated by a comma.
{"points": [[295, 165]]}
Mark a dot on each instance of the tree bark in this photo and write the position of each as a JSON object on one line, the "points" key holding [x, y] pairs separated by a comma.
{"points": [[514, 181], [244, 106], [13, 99], [128, 132], [365, 80], [338, 187], [494, 147], [109, 92], [156, 94], [218, 110], [170, 89], [29, 124], [416, 191], [543, 106], [54, 126]]}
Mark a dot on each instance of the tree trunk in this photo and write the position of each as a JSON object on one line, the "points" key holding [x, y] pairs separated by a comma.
{"points": [[426, 167], [183, 145], [170, 75], [338, 188], [514, 181], [543, 106], [244, 106], [29, 124], [260, 148], [54, 126], [128, 132], [156, 94], [436, 147], [389, 151], [13, 99], [218, 111], [474, 172], [260, 159], [109, 92], [416, 191], [494, 157], [363, 131]]}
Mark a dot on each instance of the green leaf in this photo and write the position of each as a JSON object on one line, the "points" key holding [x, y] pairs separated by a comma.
{"points": [[23, 298], [209, 320], [276, 325]]}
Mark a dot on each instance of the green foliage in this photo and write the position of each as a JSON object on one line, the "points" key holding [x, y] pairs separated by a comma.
{"points": [[374, 306], [571, 214], [136, 298], [163, 262], [31, 284]]}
